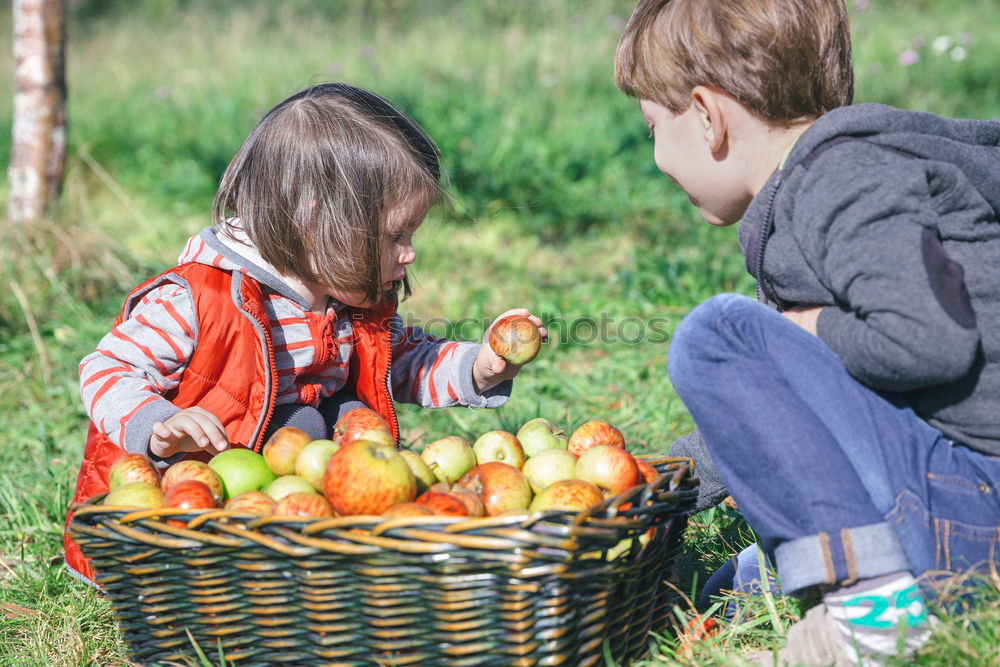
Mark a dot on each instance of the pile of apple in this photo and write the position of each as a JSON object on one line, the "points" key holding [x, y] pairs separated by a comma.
{"points": [[359, 471]]}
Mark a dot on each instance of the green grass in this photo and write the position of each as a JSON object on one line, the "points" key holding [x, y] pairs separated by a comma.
{"points": [[556, 205]]}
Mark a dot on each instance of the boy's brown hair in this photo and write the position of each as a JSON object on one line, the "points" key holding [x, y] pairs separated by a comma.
{"points": [[314, 183], [785, 60]]}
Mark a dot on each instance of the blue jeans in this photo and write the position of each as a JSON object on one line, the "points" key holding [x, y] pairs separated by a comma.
{"points": [[839, 482]]}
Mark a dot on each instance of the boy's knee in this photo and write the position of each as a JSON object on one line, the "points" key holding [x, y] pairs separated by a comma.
{"points": [[704, 327]]}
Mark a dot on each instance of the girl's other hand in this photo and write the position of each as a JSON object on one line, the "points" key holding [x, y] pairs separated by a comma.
{"points": [[490, 369], [189, 430]]}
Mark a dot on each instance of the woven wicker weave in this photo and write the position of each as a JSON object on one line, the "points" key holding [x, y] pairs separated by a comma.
{"points": [[535, 589]]}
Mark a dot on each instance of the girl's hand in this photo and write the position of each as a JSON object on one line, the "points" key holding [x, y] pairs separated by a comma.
{"points": [[490, 369], [189, 430]]}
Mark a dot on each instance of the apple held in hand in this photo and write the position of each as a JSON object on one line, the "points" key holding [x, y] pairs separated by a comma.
{"points": [[283, 447], [548, 467], [241, 470], [362, 424], [500, 486], [449, 458], [612, 469], [191, 469], [498, 446], [305, 505], [539, 434], [567, 494], [286, 484], [251, 502], [132, 468], [365, 477], [421, 471], [516, 339], [311, 462], [135, 494], [594, 433]]}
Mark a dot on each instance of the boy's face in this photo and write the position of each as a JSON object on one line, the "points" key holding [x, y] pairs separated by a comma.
{"points": [[682, 150]]}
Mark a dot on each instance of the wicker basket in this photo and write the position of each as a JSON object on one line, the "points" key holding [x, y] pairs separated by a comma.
{"points": [[535, 589]]}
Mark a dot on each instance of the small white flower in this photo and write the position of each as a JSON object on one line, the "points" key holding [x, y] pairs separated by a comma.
{"points": [[959, 53], [941, 44]]}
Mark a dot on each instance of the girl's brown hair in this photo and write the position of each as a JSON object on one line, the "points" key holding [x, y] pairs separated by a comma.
{"points": [[785, 60], [315, 182]]}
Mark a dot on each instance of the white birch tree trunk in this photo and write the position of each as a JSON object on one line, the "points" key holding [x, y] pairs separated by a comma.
{"points": [[38, 151]]}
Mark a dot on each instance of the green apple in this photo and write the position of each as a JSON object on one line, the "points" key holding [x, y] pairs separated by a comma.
{"points": [[499, 446], [547, 467], [449, 458], [423, 473], [136, 494], [311, 461], [241, 470], [539, 434], [286, 484]]}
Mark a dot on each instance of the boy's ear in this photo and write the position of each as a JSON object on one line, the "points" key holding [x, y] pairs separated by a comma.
{"points": [[711, 115]]}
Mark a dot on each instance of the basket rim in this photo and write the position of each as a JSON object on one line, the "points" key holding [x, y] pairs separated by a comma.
{"points": [[629, 513]]}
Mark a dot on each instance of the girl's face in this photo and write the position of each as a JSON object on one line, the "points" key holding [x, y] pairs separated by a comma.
{"points": [[397, 253], [682, 152]]}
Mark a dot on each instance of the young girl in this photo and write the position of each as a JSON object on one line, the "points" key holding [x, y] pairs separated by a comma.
{"points": [[284, 312]]}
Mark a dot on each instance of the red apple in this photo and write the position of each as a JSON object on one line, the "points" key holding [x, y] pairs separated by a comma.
{"points": [[241, 470], [611, 468], [361, 424], [411, 508], [421, 471], [646, 471], [594, 433], [449, 458], [252, 502], [196, 470], [131, 468], [286, 484], [309, 505], [567, 494], [473, 503], [516, 339], [548, 467], [283, 447], [442, 503], [539, 434], [498, 446], [188, 494], [365, 477], [500, 486], [135, 494], [311, 461]]}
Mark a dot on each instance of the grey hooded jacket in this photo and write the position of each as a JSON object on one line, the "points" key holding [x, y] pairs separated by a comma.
{"points": [[890, 220]]}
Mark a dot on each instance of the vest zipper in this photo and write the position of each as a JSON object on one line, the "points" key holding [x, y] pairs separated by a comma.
{"points": [[388, 388]]}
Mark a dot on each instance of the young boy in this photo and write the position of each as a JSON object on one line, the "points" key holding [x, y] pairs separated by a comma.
{"points": [[854, 411]]}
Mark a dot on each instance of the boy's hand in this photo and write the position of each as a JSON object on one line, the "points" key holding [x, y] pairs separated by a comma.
{"points": [[189, 430], [490, 369], [804, 316]]}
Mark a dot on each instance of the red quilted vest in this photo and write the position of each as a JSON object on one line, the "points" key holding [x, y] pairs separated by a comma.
{"points": [[231, 372]]}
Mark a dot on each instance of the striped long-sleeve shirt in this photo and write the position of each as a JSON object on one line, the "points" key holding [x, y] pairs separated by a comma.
{"points": [[123, 382]]}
